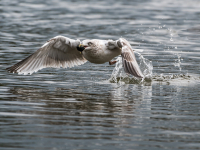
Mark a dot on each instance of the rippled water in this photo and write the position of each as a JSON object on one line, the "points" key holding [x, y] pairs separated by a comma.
{"points": [[80, 107]]}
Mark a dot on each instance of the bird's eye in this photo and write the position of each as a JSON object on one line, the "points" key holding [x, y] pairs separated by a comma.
{"points": [[89, 43]]}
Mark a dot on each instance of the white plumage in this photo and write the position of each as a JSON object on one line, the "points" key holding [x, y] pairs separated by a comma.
{"points": [[64, 52]]}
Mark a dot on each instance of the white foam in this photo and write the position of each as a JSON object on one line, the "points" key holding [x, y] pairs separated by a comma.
{"points": [[118, 74]]}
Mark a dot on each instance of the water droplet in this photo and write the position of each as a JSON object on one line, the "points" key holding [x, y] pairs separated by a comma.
{"points": [[119, 75]]}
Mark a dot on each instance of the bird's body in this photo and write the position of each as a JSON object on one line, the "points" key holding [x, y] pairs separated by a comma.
{"points": [[64, 52], [101, 52]]}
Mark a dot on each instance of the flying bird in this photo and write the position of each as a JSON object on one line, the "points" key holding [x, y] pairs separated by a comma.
{"points": [[64, 52]]}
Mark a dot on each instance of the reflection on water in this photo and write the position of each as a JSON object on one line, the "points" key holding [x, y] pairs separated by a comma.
{"points": [[81, 107], [79, 113], [118, 112]]}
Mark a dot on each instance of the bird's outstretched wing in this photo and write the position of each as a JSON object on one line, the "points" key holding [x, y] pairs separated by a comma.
{"points": [[128, 58], [58, 52]]}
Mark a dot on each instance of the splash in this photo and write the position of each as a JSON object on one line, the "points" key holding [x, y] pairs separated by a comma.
{"points": [[145, 66], [118, 73], [175, 79], [119, 76], [166, 78], [178, 61]]}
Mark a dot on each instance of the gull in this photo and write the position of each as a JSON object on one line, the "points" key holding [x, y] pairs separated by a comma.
{"points": [[64, 52]]}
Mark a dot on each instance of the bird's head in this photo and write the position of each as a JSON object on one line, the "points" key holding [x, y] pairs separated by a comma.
{"points": [[86, 45]]}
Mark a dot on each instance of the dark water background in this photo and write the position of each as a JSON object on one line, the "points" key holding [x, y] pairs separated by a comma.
{"points": [[79, 108]]}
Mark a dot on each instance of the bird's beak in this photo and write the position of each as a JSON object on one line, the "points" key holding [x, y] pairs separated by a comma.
{"points": [[80, 47]]}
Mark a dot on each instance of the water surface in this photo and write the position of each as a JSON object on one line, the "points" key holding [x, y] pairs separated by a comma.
{"points": [[80, 108]]}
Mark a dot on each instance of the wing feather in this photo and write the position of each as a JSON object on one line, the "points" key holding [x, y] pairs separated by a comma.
{"points": [[57, 52], [128, 58]]}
